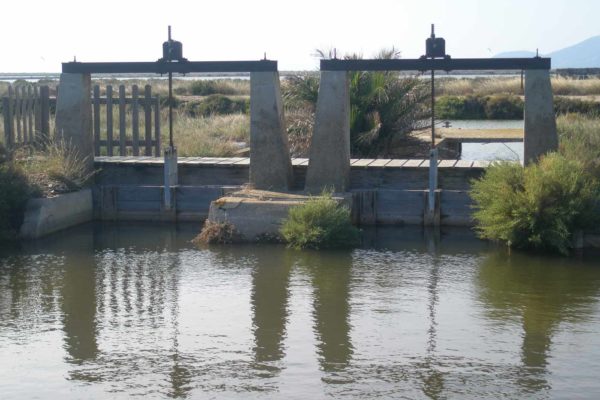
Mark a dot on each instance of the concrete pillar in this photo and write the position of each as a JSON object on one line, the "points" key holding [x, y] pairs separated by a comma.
{"points": [[270, 163], [329, 164], [540, 122], [74, 114]]}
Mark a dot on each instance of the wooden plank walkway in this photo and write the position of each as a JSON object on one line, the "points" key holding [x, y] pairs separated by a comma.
{"points": [[356, 163], [473, 135]]}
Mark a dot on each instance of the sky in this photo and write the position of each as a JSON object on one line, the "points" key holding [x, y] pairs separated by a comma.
{"points": [[38, 35]]}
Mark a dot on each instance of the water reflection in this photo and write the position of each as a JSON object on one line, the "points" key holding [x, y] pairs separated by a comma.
{"points": [[330, 276], [541, 293], [269, 298]]}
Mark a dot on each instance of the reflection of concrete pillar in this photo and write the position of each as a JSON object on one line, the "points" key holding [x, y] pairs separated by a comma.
{"points": [[78, 302], [329, 164], [540, 122], [270, 163], [74, 114], [270, 293]]}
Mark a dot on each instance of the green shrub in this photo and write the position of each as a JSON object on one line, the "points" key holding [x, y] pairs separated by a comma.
{"points": [[579, 139], [566, 105], [456, 107], [503, 107], [217, 104], [537, 207], [219, 86], [320, 223], [15, 190]]}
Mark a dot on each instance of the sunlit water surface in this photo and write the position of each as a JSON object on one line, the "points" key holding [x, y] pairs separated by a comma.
{"points": [[121, 311]]}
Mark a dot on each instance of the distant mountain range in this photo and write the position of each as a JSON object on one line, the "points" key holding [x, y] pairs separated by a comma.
{"points": [[582, 55]]}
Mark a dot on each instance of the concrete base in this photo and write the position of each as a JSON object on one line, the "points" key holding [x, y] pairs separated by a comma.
{"points": [[540, 135], [74, 114], [329, 165], [256, 214], [46, 216], [270, 163]]}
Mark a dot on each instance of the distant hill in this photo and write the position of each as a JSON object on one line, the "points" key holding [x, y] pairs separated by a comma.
{"points": [[582, 55]]}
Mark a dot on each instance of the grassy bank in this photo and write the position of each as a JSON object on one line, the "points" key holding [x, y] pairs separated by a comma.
{"points": [[486, 86]]}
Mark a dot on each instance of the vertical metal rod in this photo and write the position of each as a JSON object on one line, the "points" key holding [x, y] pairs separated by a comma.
{"points": [[170, 105], [432, 109]]}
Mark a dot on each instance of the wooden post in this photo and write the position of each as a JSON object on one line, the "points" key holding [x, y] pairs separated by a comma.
{"points": [[37, 114], [6, 111], [122, 126], [157, 126], [135, 121], [109, 121], [96, 108], [18, 138], [30, 113], [45, 112], [148, 119]]}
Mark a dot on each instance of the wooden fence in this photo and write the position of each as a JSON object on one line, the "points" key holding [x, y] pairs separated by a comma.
{"points": [[26, 112], [105, 138]]}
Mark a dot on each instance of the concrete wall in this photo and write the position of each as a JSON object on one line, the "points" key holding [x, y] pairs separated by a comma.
{"points": [[540, 135], [74, 114], [329, 165], [46, 216], [270, 165]]}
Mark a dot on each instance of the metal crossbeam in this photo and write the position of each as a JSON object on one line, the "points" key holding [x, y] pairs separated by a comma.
{"points": [[184, 67], [440, 64]]}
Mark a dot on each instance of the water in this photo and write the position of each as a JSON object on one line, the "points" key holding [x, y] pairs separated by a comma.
{"points": [[119, 311], [490, 151]]}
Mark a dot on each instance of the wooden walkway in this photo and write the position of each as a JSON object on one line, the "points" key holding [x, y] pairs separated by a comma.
{"points": [[473, 135], [297, 162]]}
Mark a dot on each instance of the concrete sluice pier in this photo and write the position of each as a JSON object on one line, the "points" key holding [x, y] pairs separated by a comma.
{"points": [[381, 191]]}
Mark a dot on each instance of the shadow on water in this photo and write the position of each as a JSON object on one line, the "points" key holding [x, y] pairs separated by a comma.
{"points": [[542, 292]]}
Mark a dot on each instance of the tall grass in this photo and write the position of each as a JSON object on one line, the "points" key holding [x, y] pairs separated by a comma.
{"points": [[512, 85], [579, 138], [218, 135]]}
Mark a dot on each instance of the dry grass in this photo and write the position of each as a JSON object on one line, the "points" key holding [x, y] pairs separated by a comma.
{"points": [[218, 135], [512, 85], [56, 168], [217, 233]]}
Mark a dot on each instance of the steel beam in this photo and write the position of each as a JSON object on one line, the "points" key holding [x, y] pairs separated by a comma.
{"points": [[441, 64], [158, 67]]}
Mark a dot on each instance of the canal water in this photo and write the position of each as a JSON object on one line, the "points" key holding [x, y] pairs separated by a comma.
{"points": [[115, 311]]}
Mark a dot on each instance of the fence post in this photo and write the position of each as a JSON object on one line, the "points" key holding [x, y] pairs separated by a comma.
{"points": [[109, 121], [6, 111], [96, 108], [17, 115], [148, 120], [157, 126], [45, 112], [135, 121], [122, 125]]}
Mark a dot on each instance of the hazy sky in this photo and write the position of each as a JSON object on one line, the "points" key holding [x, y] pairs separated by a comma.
{"points": [[39, 35]]}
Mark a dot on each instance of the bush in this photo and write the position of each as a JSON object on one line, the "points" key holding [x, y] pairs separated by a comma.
{"points": [[579, 138], [503, 107], [537, 207], [455, 107], [217, 104], [566, 105], [219, 86], [320, 223], [15, 190]]}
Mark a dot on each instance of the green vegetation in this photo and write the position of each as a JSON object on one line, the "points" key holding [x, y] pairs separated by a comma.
{"points": [[538, 207], [504, 106], [384, 106], [485, 86], [579, 138], [320, 223], [15, 190], [216, 104]]}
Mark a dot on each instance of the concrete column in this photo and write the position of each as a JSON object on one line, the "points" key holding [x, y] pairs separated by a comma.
{"points": [[74, 114], [270, 163], [540, 122], [329, 164]]}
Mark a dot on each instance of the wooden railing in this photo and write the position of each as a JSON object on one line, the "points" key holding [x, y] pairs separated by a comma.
{"points": [[26, 114], [105, 136]]}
